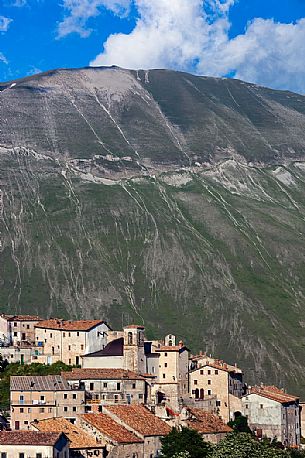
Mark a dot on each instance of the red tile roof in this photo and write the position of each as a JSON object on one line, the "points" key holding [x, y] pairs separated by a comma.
{"points": [[81, 325], [78, 438], [29, 438], [274, 393], [110, 428], [140, 419], [21, 317], [101, 374], [206, 422]]}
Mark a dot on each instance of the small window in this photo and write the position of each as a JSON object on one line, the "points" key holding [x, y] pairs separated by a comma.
{"points": [[140, 396], [69, 347], [209, 372], [74, 396], [41, 410], [74, 409], [65, 409], [165, 365], [29, 409], [209, 382], [91, 386], [118, 386], [165, 354], [15, 325], [163, 375], [51, 335], [21, 409], [21, 455], [216, 372], [82, 347], [261, 406], [50, 409], [195, 382], [247, 406], [65, 396], [3, 455], [26, 422], [28, 326], [201, 372], [133, 386], [69, 334], [77, 334], [64, 334], [209, 392], [15, 334], [129, 338], [218, 403], [105, 385], [42, 398], [70, 361], [38, 455]]}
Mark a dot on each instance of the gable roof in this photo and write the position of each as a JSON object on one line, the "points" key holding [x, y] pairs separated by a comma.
{"points": [[29, 438], [140, 419], [206, 422], [21, 317], [38, 383], [63, 325], [78, 438], [101, 374], [110, 428], [173, 348], [274, 393], [114, 348]]}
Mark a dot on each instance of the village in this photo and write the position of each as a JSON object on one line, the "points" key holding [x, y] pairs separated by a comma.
{"points": [[124, 393]]}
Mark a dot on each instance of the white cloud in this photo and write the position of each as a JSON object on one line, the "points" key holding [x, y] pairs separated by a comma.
{"points": [[3, 59], [193, 35], [4, 23], [78, 12]]}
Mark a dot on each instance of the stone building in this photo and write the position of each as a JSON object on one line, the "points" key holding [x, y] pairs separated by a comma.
{"points": [[30, 444], [141, 422], [40, 397], [81, 444], [108, 386], [210, 378], [120, 441], [134, 356], [208, 425], [16, 330], [172, 383], [67, 341], [274, 414]]}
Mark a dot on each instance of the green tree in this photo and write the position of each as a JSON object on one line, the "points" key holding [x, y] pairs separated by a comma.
{"points": [[240, 424], [243, 445], [184, 442]]}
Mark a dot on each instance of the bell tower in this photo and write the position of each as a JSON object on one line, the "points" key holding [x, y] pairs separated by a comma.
{"points": [[134, 356]]}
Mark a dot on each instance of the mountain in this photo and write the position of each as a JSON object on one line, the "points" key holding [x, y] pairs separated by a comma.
{"points": [[162, 198]]}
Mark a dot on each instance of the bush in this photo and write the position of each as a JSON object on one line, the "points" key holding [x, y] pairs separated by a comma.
{"points": [[186, 443]]}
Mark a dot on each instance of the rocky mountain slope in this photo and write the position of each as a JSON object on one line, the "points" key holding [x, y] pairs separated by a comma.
{"points": [[161, 198]]}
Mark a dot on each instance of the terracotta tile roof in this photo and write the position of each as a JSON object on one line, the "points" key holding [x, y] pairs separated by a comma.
{"points": [[220, 366], [140, 419], [110, 428], [29, 438], [206, 422], [81, 325], [78, 438], [274, 393], [39, 383], [21, 317], [101, 374], [134, 326]]}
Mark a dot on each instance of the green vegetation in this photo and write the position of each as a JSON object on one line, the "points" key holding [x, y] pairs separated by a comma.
{"points": [[26, 369], [186, 443]]}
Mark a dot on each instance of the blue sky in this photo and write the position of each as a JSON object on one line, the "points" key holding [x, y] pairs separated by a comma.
{"points": [[262, 41]]}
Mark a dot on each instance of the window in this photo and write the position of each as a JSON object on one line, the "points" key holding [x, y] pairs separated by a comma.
{"points": [[51, 335], [140, 396], [91, 386], [15, 334], [201, 372], [29, 409], [74, 396], [50, 409], [165, 365], [15, 325], [247, 406], [118, 386], [129, 338], [209, 382], [163, 375], [26, 422], [77, 334], [69, 347], [38, 455], [21, 409], [116, 398], [195, 382], [42, 398], [82, 347], [216, 372], [65, 396], [133, 386], [12, 356], [69, 334], [105, 385], [21, 455], [209, 392], [218, 403], [65, 409], [21, 399], [209, 372], [64, 334], [3, 455], [165, 354], [70, 361], [28, 326], [261, 406], [41, 410], [74, 409]]}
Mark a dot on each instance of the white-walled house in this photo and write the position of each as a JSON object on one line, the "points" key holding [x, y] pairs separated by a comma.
{"points": [[274, 414]]}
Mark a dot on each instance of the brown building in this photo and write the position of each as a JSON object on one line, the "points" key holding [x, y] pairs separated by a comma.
{"points": [[40, 397], [208, 425], [33, 444], [108, 386], [81, 444], [67, 341], [141, 422], [16, 330], [121, 442]]}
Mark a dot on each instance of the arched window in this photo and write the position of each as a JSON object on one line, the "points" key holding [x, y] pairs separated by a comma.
{"points": [[129, 338], [170, 343]]}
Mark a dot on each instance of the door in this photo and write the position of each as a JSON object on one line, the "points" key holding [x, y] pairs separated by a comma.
{"points": [[22, 359], [17, 425], [77, 360], [23, 336]]}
